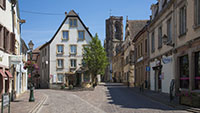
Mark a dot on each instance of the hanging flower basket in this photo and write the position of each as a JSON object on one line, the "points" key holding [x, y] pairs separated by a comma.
{"points": [[31, 65]]}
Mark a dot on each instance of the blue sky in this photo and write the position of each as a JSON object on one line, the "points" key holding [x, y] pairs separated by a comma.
{"points": [[40, 28]]}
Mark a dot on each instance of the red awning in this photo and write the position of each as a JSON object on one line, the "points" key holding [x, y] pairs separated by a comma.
{"points": [[9, 74], [2, 73]]}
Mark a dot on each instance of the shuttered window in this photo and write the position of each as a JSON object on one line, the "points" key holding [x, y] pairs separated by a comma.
{"points": [[1, 37]]}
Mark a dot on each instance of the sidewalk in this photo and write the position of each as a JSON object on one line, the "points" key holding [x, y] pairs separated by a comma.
{"points": [[164, 98], [22, 104]]}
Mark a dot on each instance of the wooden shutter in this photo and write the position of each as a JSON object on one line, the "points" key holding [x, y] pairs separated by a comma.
{"points": [[12, 43], [1, 37]]}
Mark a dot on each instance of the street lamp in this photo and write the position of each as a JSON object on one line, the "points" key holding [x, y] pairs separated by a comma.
{"points": [[31, 98]]}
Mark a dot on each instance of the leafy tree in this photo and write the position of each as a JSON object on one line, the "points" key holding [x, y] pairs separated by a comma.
{"points": [[94, 58]]}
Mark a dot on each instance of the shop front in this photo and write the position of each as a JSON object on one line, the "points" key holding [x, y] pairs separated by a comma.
{"points": [[188, 74]]}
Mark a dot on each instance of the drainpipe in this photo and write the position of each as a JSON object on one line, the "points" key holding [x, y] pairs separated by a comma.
{"points": [[13, 68]]}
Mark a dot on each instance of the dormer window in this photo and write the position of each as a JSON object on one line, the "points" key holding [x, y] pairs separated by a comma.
{"points": [[73, 22]]}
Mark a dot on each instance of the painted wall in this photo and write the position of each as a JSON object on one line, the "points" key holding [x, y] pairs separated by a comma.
{"points": [[73, 39]]}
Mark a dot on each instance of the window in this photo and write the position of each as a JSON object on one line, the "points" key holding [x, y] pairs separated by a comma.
{"points": [[86, 77], [73, 22], [197, 70], [81, 35], [59, 49], [169, 30], [184, 72], [3, 4], [60, 77], [152, 43], [73, 63], [160, 37], [1, 37], [65, 35], [146, 46], [141, 49], [138, 50], [182, 22], [60, 63], [73, 49], [197, 12]]}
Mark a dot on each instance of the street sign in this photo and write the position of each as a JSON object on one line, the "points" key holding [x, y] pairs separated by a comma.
{"points": [[147, 68], [5, 102]]}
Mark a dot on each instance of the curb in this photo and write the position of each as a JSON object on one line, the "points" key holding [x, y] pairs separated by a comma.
{"points": [[176, 106], [36, 108]]}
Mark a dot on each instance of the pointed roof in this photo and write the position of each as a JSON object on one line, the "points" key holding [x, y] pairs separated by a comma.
{"points": [[72, 13], [135, 26]]}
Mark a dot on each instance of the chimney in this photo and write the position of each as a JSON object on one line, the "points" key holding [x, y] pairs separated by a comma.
{"points": [[87, 28], [65, 13]]}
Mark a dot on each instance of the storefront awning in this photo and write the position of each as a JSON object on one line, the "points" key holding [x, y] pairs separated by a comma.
{"points": [[2, 73], [9, 74]]}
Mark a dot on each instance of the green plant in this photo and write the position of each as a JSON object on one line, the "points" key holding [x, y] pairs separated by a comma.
{"points": [[94, 58], [71, 87], [62, 86]]}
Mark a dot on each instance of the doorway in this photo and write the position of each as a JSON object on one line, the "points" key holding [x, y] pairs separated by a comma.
{"points": [[158, 78]]}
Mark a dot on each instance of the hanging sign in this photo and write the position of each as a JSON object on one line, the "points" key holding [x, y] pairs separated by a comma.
{"points": [[166, 60]]}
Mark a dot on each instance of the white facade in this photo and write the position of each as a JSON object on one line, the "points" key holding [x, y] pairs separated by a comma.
{"points": [[66, 56], [167, 74], [10, 20]]}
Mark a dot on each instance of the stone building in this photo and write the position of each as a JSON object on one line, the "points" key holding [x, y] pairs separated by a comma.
{"points": [[118, 61], [187, 48], [114, 37], [162, 35], [62, 56], [132, 28], [141, 58]]}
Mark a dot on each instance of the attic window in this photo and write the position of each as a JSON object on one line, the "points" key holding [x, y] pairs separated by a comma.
{"points": [[73, 22]]}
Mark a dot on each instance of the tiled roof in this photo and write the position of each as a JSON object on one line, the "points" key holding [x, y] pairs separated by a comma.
{"points": [[135, 26]]}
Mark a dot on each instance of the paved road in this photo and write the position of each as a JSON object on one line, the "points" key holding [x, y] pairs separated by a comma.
{"points": [[104, 99]]}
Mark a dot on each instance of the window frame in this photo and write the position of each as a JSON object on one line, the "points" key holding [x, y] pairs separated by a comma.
{"points": [[58, 81], [71, 53], [183, 20], [63, 35], [57, 48], [83, 35], [169, 30], [196, 18], [152, 42], [159, 37], [57, 63], [73, 66], [72, 20]]}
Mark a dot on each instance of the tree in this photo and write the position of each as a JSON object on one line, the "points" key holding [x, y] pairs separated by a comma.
{"points": [[94, 58]]}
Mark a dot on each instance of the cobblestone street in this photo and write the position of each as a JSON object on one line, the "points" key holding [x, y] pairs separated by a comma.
{"points": [[113, 98]]}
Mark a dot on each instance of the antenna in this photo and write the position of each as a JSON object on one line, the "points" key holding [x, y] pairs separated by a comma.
{"points": [[110, 12]]}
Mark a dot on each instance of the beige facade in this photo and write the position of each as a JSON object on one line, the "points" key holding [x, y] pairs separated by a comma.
{"points": [[161, 39], [117, 67], [187, 46], [141, 58]]}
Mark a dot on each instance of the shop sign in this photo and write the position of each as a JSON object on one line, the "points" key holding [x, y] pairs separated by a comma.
{"points": [[167, 60], [140, 59], [15, 59]]}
